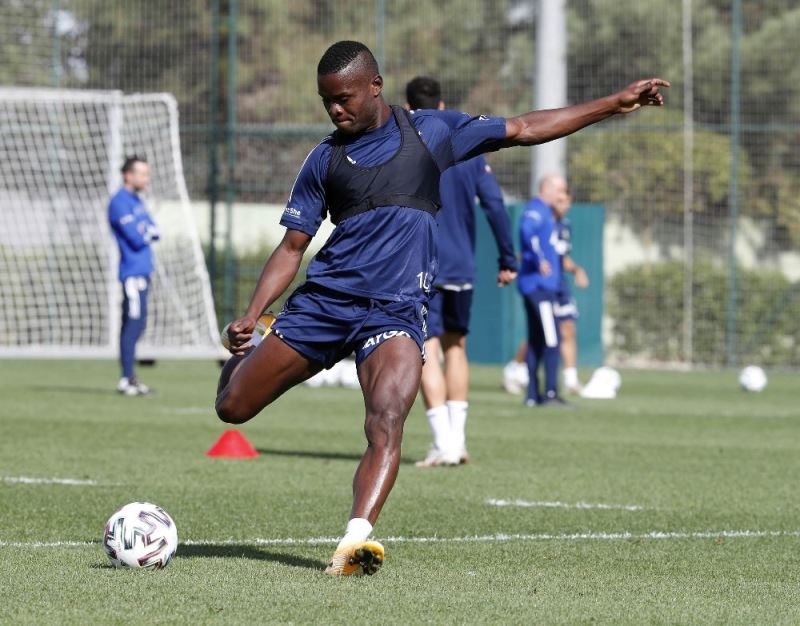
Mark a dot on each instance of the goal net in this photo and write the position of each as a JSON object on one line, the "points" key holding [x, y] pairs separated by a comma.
{"points": [[60, 156]]}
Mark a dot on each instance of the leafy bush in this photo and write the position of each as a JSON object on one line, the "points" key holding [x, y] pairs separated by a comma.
{"points": [[767, 331]]}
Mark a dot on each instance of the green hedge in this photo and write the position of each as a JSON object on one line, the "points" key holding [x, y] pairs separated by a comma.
{"points": [[646, 305]]}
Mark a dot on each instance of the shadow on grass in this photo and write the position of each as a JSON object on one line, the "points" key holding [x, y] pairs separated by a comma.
{"points": [[316, 454], [234, 551]]}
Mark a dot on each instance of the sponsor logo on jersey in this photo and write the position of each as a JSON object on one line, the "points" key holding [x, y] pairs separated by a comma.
{"points": [[290, 210], [375, 341]]}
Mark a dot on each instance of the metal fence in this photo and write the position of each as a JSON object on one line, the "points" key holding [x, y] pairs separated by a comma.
{"points": [[702, 197]]}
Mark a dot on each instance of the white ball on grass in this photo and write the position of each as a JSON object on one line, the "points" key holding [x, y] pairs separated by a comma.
{"points": [[140, 535], [752, 378]]}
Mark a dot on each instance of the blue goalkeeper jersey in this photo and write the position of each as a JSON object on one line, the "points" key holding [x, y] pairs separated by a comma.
{"points": [[459, 186], [538, 242], [133, 229], [389, 253]]}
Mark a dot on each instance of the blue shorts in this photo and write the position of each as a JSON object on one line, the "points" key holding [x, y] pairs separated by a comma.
{"points": [[326, 325], [449, 311], [565, 307]]}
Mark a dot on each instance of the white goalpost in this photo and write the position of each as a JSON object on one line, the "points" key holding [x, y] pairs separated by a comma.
{"points": [[60, 156]]}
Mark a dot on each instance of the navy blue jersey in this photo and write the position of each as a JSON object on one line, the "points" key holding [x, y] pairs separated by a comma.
{"points": [[459, 186], [538, 242], [133, 229], [389, 253], [563, 247]]}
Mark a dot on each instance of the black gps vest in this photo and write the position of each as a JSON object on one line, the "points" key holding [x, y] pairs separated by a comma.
{"points": [[410, 178]]}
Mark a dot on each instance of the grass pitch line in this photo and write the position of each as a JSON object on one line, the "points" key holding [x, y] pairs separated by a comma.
{"points": [[547, 504], [28, 480], [498, 537], [48, 544]]}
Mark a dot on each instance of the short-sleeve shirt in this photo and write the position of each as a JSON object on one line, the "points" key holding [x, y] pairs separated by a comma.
{"points": [[388, 253], [564, 247]]}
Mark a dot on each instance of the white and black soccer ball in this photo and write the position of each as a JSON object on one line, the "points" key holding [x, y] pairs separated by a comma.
{"points": [[752, 378], [140, 535]]}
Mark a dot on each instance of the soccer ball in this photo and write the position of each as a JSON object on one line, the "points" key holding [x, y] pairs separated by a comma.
{"points": [[515, 377], [752, 378], [262, 329], [140, 535]]}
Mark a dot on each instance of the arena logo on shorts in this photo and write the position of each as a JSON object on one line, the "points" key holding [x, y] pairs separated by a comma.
{"points": [[374, 342]]}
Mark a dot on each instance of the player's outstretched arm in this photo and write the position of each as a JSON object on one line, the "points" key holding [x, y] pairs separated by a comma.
{"points": [[278, 273], [541, 126]]}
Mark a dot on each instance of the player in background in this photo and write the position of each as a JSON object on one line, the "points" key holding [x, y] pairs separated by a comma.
{"points": [[377, 178], [539, 282], [445, 392], [134, 231], [566, 309]]}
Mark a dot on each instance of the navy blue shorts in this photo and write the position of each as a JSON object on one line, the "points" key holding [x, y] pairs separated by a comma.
{"points": [[565, 307], [326, 325], [449, 311]]}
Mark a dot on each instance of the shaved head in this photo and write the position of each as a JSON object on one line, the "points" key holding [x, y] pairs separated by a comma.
{"points": [[553, 188]]}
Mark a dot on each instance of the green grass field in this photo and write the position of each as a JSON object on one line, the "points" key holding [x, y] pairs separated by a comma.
{"points": [[702, 523]]}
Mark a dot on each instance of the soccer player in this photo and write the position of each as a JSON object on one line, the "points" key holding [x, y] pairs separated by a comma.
{"points": [[377, 178], [566, 309], [134, 231], [445, 393], [539, 282]]}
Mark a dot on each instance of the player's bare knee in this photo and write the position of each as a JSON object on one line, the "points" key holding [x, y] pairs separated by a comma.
{"points": [[385, 428], [229, 410]]}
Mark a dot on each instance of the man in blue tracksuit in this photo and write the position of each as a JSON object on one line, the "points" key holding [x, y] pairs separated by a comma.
{"points": [[445, 392], [539, 283], [134, 230]]}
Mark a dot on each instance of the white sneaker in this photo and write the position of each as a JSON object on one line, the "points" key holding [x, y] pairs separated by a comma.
{"points": [[132, 387], [436, 457]]}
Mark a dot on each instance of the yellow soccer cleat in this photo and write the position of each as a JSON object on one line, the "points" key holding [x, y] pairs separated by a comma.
{"points": [[260, 332], [361, 557]]}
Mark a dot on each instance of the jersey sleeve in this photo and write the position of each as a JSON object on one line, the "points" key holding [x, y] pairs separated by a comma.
{"points": [[454, 137], [491, 200], [471, 136], [126, 224], [305, 209]]}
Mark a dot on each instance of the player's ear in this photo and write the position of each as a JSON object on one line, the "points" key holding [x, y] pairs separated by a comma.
{"points": [[376, 85]]}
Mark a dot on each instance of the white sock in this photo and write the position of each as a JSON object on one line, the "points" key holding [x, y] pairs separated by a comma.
{"points": [[358, 529], [439, 421], [571, 377], [457, 410]]}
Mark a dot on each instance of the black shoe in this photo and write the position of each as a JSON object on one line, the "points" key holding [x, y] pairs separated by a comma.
{"points": [[557, 402]]}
